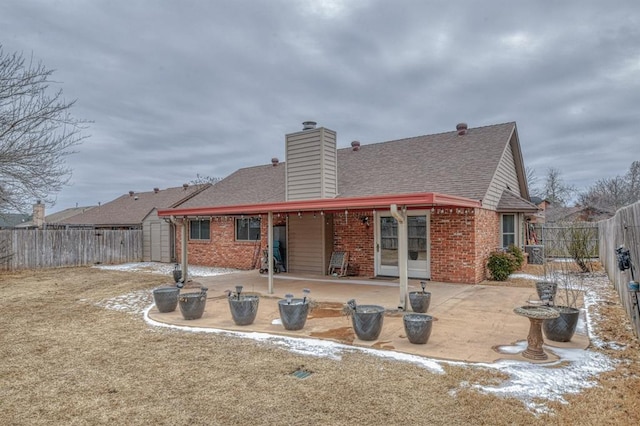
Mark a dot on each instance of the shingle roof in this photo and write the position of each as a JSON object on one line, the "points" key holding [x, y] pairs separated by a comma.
{"points": [[11, 220], [445, 163], [510, 202], [132, 209], [58, 217]]}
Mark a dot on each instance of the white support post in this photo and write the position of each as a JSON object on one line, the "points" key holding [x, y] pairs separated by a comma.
{"points": [[403, 250], [270, 249], [185, 254]]}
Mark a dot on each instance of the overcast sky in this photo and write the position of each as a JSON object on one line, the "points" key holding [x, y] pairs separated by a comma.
{"points": [[180, 88]]}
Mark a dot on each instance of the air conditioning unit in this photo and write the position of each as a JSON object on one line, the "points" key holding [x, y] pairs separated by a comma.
{"points": [[535, 254]]}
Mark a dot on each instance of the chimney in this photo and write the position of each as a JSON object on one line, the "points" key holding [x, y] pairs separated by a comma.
{"points": [[38, 214], [156, 190], [275, 161], [130, 193], [311, 166], [185, 186], [461, 128], [355, 145]]}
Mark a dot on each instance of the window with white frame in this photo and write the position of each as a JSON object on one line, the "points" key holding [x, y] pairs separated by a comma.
{"points": [[508, 230], [199, 229], [248, 229]]}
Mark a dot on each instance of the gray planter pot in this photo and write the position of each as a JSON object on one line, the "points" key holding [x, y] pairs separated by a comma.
{"points": [[367, 321], [244, 309], [166, 298], [561, 329], [192, 304], [418, 327], [294, 314], [548, 287], [420, 301]]}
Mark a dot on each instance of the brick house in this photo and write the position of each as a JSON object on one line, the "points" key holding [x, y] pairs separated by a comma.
{"points": [[428, 207]]}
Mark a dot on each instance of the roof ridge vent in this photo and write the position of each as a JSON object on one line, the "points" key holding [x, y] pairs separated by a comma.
{"points": [[461, 128], [308, 125]]}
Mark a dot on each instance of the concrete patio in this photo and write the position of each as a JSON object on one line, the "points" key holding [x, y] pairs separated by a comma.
{"points": [[471, 322]]}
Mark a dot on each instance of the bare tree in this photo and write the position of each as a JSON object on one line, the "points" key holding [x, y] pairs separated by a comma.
{"points": [[555, 189], [37, 133], [532, 181], [199, 180], [610, 194]]}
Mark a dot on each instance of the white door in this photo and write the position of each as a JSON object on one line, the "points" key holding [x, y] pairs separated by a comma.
{"points": [[418, 245]]}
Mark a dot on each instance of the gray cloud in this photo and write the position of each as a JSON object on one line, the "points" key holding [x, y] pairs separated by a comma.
{"points": [[180, 88]]}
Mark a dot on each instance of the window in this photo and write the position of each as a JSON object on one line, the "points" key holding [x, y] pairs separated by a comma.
{"points": [[248, 229], [508, 230], [199, 229]]}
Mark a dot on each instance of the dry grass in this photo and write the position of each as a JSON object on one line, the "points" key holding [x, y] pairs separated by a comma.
{"points": [[66, 360]]}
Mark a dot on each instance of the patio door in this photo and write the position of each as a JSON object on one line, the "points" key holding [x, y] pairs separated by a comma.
{"points": [[418, 241]]}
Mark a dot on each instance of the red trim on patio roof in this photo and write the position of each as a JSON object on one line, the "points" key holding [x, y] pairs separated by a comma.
{"points": [[423, 199]]}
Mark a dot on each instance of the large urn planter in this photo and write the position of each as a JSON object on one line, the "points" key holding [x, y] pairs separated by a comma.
{"points": [[294, 312], [420, 300], [192, 304], [418, 327], [244, 308], [366, 320], [166, 298], [561, 329], [546, 290]]}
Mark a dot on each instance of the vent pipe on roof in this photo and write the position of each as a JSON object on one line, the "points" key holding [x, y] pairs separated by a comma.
{"points": [[185, 186], [275, 161], [355, 145], [131, 193], [461, 128], [156, 190], [308, 125]]}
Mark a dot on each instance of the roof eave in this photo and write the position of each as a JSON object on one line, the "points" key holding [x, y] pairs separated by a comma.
{"points": [[423, 199]]}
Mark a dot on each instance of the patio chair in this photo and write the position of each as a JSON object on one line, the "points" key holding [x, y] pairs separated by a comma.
{"points": [[339, 263]]}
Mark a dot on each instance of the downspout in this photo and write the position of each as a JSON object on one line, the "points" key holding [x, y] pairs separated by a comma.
{"points": [[270, 249], [403, 249]]}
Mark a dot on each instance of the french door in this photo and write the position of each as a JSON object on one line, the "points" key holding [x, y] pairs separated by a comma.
{"points": [[418, 254]]}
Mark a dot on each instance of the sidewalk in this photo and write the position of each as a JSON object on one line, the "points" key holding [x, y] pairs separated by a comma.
{"points": [[470, 321]]}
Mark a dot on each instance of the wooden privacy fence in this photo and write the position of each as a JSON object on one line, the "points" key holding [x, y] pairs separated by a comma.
{"points": [[623, 229], [50, 248], [555, 237]]}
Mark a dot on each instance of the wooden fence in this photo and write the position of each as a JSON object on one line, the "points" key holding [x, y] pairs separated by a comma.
{"points": [[623, 229], [555, 237], [35, 249]]}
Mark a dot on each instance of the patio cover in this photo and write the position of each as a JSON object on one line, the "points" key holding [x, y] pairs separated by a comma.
{"points": [[398, 204]]}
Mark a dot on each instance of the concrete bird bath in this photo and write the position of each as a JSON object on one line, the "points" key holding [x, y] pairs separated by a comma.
{"points": [[536, 315]]}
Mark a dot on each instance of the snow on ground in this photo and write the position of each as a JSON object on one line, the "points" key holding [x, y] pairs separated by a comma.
{"points": [[576, 370], [165, 269]]}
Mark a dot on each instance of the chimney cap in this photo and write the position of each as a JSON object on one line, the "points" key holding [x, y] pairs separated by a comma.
{"points": [[275, 161], [308, 125], [355, 145]]}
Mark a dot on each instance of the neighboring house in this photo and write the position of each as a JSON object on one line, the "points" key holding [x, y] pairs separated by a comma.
{"points": [[138, 210], [13, 220], [53, 220], [558, 214], [429, 207]]}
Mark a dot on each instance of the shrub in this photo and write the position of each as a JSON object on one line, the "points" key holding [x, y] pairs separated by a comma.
{"points": [[516, 252], [501, 264]]}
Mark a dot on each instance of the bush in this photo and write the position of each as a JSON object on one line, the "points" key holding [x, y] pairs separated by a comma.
{"points": [[516, 252], [501, 265]]}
